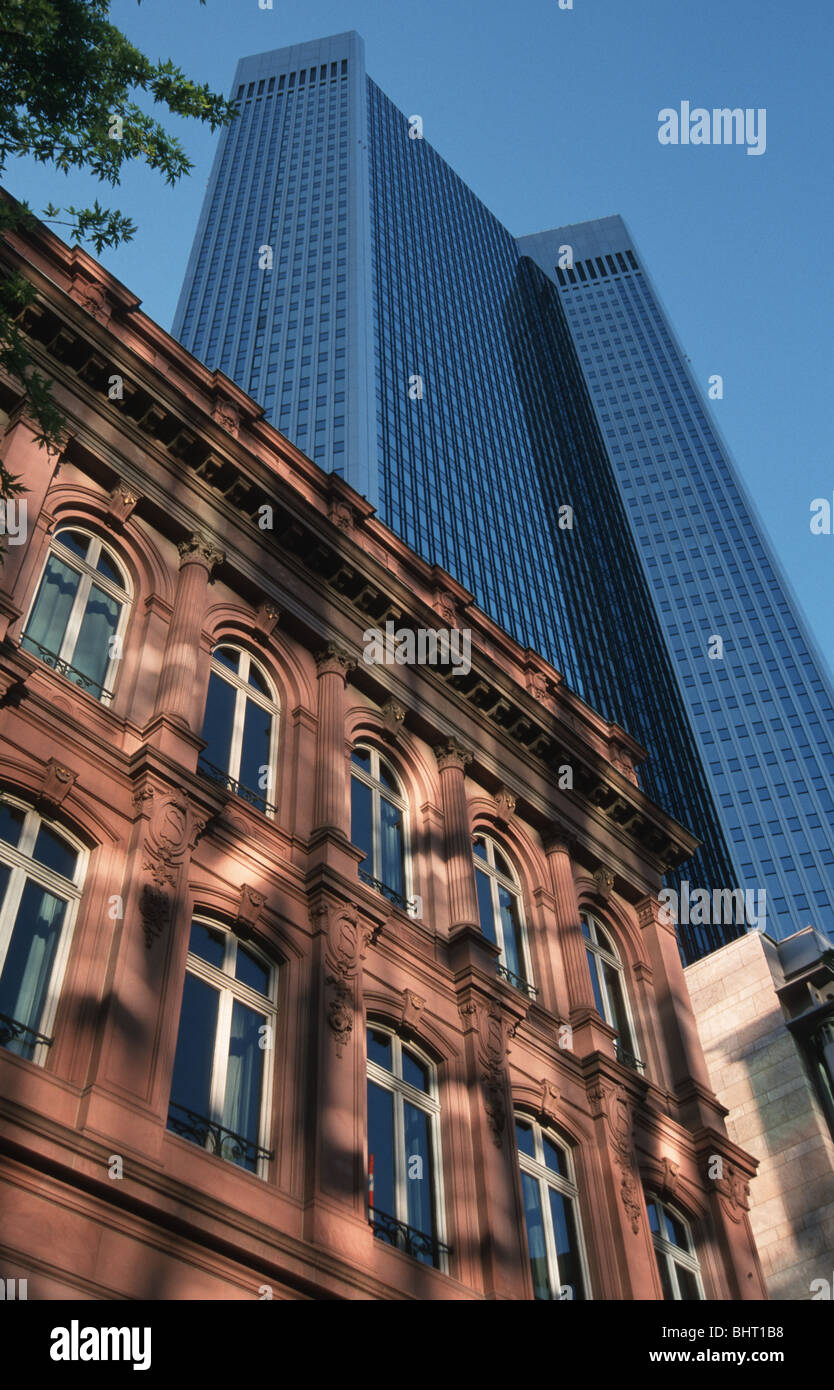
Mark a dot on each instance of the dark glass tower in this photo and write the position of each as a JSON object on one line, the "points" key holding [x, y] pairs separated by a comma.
{"points": [[763, 713], [345, 276]]}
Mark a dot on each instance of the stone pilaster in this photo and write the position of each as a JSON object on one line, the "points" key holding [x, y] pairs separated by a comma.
{"points": [[452, 760]]}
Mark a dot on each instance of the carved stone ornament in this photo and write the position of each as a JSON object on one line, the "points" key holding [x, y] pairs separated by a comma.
{"points": [[249, 910], [451, 753], [613, 1103], [734, 1192], [341, 514], [504, 806], [542, 688], [57, 783], [393, 716], [670, 1176], [495, 1029], [266, 621], [604, 880], [622, 762], [548, 1101], [412, 1007], [200, 550], [348, 938], [120, 505], [334, 660], [91, 297], [173, 830], [446, 606], [226, 414]]}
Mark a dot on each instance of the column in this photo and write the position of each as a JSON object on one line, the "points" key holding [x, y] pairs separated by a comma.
{"points": [[331, 808], [175, 693], [452, 759]]}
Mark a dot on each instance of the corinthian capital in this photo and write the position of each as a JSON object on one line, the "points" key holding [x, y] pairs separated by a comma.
{"points": [[451, 753], [334, 660], [198, 549]]}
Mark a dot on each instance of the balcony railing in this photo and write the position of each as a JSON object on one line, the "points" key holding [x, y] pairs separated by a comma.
{"points": [[627, 1058], [216, 1138], [390, 893], [11, 1031], [407, 1238], [64, 668], [517, 981], [216, 774]]}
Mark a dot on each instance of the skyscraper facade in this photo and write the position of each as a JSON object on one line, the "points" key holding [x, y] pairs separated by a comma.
{"points": [[760, 701], [395, 330]]}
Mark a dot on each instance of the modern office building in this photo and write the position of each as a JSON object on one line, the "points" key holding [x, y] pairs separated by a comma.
{"points": [[314, 984], [345, 276], [762, 710]]}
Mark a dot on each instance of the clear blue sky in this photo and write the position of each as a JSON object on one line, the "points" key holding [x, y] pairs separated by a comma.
{"points": [[550, 116]]}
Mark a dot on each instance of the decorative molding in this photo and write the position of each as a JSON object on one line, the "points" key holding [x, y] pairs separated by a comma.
{"points": [[120, 505], [393, 717], [334, 660], [549, 1100], [249, 910], [622, 762], [226, 414], [91, 297], [446, 605], [348, 938], [266, 621], [733, 1191], [173, 830], [505, 804], [495, 1028], [557, 839], [613, 1103], [341, 514], [412, 1008], [604, 880], [451, 753], [199, 549], [56, 784], [670, 1176]]}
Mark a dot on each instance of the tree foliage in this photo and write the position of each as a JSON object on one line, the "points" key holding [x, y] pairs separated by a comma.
{"points": [[70, 90]]}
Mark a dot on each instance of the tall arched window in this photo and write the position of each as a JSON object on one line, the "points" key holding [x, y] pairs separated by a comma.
{"points": [[240, 727], [77, 621], [501, 912], [378, 812], [551, 1214], [677, 1263], [609, 988], [404, 1173], [226, 1042], [41, 871]]}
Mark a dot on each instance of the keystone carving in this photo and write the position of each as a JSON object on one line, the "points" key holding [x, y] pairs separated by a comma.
{"points": [[504, 806], [56, 785], [266, 621], [393, 716], [604, 880], [249, 910], [226, 414], [120, 505]]}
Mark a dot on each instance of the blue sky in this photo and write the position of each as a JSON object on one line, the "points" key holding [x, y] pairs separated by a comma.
{"points": [[550, 115]]}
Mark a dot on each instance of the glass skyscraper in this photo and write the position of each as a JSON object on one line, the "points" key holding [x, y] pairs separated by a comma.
{"points": [[393, 328]]}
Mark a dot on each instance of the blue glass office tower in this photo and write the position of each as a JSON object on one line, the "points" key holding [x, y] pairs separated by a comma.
{"points": [[762, 714], [345, 276]]}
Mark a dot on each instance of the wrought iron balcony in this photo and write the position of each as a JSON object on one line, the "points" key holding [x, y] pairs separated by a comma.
{"points": [[64, 668], [406, 1238], [390, 893], [11, 1031], [216, 774], [517, 981], [215, 1137], [627, 1058]]}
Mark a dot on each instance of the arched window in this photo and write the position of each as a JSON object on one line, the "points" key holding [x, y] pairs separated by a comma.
{"points": [[501, 913], [677, 1262], [240, 727], [609, 988], [41, 871], [77, 621], [222, 1069], [378, 812], [551, 1214], [404, 1174]]}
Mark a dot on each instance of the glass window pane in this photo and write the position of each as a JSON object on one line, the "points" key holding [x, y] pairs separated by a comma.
{"points": [[191, 1084], [619, 1017], [554, 1157], [502, 865], [5, 875], [254, 755], [208, 944], [362, 758], [110, 571], [381, 1147], [675, 1230], [360, 821], [653, 1219], [257, 681], [28, 965], [592, 966], [418, 1173], [387, 778], [524, 1139], [535, 1235], [567, 1246], [479, 848], [415, 1072], [586, 930], [508, 903], [244, 1082], [91, 654], [53, 851], [252, 972], [379, 1048], [666, 1282], [75, 541], [11, 823], [392, 848], [688, 1284], [48, 624], [218, 723], [604, 941], [485, 911], [227, 656]]}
